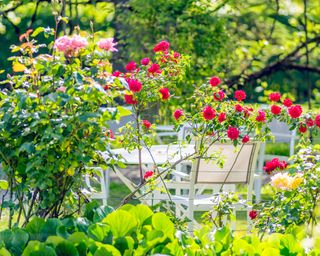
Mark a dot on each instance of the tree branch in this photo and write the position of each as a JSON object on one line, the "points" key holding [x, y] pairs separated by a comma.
{"points": [[286, 62]]}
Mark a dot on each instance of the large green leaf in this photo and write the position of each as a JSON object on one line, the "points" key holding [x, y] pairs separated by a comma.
{"points": [[3, 184], [121, 223], [35, 228], [107, 250], [141, 212], [66, 248], [162, 222], [98, 231], [14, 240], [36, 248]]}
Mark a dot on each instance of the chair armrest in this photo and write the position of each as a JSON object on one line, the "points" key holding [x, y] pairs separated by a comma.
{"points": [[181, 174]]}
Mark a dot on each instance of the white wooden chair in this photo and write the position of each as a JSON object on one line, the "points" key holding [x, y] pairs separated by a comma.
{"points": [[281, 132], [239, 168]]}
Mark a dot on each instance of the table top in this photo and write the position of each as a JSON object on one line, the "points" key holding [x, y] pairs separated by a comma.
{"points": [[161, 154]]}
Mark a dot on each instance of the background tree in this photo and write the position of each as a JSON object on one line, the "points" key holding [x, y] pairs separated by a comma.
{"points": [[261, 45]]}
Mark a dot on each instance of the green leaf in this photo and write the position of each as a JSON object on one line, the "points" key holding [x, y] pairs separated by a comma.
{"points": [[3, 184], [161, 222], [101, 212], [66, 248], [107, 250], [4, 252], [36, 248], [123, 111], [121, 223], [141, 212], [35, 229], [98, 231], [37, 31]]}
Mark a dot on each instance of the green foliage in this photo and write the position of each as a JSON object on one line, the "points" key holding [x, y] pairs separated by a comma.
{"points": [[53, 127], [295, 206], [152, 233]]}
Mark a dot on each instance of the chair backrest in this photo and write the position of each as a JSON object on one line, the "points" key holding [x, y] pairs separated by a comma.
{"points": [[281, 131], [238, 168]]}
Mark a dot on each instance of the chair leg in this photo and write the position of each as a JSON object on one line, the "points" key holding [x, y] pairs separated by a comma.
{"points": [[233, 222]]}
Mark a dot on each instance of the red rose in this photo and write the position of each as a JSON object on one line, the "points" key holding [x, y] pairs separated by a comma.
{"points": [[219, 96], [176, 55], [177, 114], [106, 87], [128, 98], [275, 96], [165, 93], [287, 102], [222, 117], [274, 164], [116, 73], [154, 68], [233, 133], [261, 117], [110, 134], [145, 61], [253, 214], [148, 174], [302, 128], [134, 85], [208, 113], [310, 122], [163, 46], [240, 95], [276, 110], [245, 139], [146, 124], [295, 111], [317, 120], [215, 81], [238, 108], [131, 66]]}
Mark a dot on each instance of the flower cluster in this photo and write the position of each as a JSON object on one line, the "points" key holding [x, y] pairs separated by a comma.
{"points": [[274, 164], [285, 182], [70, 45]]}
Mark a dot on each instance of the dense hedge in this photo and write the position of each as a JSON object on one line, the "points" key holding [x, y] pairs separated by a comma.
{"points": [[134, 230]]}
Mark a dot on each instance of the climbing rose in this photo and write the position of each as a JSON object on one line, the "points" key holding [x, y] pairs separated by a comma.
{"points": [[274, 164], [295, 111], [233, 133], [176, 55], [163, 46], [245, 139], [165, 93], [310, 122], [110, 134], [222, 117], [134, 85], [145, 61], [146, 124], [287, 102], [214, 81], [302, 128], [177, 114], [317, 120], [128, 98], [240, 95], [261, 117], [106, 87], [208, 113], [276, 110], [148, 174], [238, 108], [253, 214], [131, 66], [154, 68], [275, 96], [219, 96], [116, 73], [107, 44]]}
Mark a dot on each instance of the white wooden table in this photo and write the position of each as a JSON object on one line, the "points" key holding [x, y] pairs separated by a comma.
{"points": [[160, 154]]}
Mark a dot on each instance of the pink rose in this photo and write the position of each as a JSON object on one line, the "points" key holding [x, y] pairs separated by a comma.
{"points": [[107, 44]]}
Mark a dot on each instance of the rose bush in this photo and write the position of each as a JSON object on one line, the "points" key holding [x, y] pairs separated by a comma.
{"points": [[52, 125]]}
